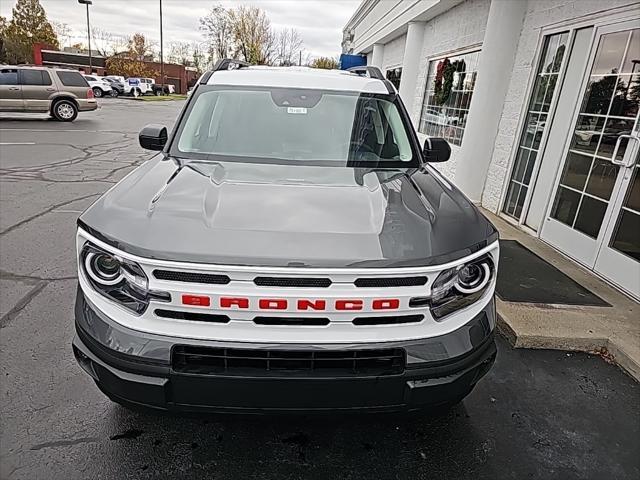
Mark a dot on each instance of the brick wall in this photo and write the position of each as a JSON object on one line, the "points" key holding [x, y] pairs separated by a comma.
{"points": [[393, 53]]}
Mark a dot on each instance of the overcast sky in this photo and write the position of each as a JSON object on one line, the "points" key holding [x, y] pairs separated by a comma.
{"points": [[319, 22]]}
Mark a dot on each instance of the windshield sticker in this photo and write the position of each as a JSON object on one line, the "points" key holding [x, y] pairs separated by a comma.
{"points": [[297, 110]]}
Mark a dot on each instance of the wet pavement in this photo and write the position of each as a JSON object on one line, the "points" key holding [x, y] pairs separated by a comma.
{"points": [[538, 414]]}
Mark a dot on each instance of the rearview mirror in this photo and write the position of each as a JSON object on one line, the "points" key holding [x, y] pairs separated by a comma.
{"points": [[435, 150], [153, 137]]}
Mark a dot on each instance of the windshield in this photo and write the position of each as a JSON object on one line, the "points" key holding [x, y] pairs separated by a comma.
{"points": [[294, 127]]}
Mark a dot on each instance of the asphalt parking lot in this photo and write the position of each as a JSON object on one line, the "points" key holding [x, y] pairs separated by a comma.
{"points": [[538, 414]]}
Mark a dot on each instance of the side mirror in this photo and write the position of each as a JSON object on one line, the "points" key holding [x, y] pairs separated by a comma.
{"points": [[435, 150], [153, 137]]}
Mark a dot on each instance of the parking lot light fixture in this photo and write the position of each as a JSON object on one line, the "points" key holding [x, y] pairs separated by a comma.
{"points": [[87, 3], [161, 54]]}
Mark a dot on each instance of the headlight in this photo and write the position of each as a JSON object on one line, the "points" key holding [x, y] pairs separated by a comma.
{"points": [[461, 286], [103, 268], [118, 279], [473, 277]]}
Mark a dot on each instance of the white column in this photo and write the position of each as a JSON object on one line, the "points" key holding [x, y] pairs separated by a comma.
{"points": [[411, 64], [496, 62], [377, 55]]}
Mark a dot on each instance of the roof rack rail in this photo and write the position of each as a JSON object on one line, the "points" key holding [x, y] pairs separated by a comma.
{"points": [[226, 64], [222, 64], [372, 72]]}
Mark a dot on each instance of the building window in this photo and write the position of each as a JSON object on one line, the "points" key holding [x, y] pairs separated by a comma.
{"points": [[447, 97], [393, 75], [553, 54]]}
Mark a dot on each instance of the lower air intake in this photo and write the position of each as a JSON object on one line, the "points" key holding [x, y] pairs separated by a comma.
{"points": [[235, 361]]}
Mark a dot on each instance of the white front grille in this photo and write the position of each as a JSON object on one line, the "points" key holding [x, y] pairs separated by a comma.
{"points": [[217, 283]]}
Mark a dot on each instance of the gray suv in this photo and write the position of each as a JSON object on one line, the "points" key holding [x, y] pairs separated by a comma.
{"points": [[61, 93]]}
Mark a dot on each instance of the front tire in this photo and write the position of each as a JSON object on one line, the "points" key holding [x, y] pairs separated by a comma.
{"points": [[97, 92], [64, 111], [114, 93]]}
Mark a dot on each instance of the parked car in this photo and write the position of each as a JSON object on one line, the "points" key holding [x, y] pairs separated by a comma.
{"points": [[438, 117], [117, 86], [61, 93], [136, 86], [117, 78], [168, 89], [99, 86], [156, 89], [291, 247]]}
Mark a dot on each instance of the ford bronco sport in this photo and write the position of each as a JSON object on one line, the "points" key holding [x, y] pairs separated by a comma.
{"points": [[290, 248]]}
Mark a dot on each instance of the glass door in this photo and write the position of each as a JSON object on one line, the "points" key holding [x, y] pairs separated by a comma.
{"points": [[619, 256], [594, 202]]}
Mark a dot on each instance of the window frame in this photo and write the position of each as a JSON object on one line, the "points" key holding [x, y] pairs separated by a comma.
{"points": [[477, 47], [522, 124], [17, 77], [42, 72], [529, 90], [59, 72], [394, 69]]}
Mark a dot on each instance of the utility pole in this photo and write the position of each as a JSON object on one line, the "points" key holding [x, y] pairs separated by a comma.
{"points": [[87, 3], [161, 53]]}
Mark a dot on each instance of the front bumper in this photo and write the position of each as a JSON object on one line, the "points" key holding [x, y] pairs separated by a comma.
{"points": [[136, 368]]}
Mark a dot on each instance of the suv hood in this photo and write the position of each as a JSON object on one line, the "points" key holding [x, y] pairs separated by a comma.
{"points": [[273, 215]]}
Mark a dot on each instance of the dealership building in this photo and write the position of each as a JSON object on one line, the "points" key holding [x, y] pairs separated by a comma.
{"points": [[539, 101]]}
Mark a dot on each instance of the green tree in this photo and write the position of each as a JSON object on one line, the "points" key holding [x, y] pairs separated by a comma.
{"points": [[3, 33], [29, 25], [132, 62], [254, 39], [324, 62], [140, 47]]}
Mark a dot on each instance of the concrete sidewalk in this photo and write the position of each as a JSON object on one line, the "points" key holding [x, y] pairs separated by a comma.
{"points": [[612, 331]]}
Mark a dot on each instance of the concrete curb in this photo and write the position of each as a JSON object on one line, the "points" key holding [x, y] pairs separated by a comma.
{"points": [[610, 332], [609, 350]]}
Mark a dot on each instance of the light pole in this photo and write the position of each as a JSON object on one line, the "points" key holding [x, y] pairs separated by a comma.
{"points": [[87, 3], [161, 53]]}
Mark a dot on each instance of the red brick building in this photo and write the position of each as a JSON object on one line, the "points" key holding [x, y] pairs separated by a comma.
{"points": [[179, 76]]}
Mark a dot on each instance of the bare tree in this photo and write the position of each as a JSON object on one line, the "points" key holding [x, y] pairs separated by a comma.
{"points": [[63, 31], [289, 47], [101, 40], [180, 52], [198, 56], [216, 27], [245, 32], [119, 44]]}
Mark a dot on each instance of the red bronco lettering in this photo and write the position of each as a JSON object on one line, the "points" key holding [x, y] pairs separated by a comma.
{"points": [[302, 304]]}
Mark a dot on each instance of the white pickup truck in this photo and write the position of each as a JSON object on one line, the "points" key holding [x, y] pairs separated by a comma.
{"points": [[157, 89]]}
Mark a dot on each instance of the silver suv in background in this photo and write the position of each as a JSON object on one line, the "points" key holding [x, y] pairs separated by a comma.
{"points": [[61, 93]]}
